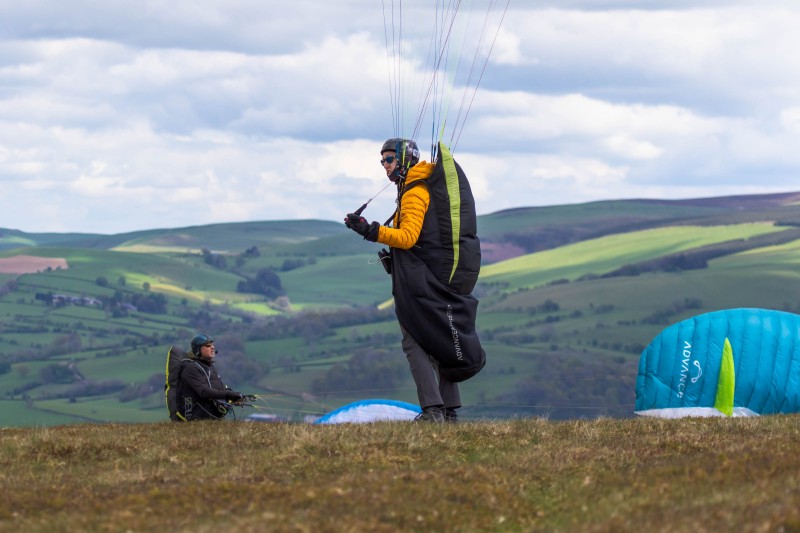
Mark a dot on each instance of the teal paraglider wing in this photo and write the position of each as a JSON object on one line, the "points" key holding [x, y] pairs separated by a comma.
{"points": [[736, 362]]}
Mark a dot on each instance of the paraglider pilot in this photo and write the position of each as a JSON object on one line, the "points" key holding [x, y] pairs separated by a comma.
{"points": [[438, 396], [201, 391]]}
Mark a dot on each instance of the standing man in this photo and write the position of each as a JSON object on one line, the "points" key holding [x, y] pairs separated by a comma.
{"points": [[421, 262], [201, 392]]}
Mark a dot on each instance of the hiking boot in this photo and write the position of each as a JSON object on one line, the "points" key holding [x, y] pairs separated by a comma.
{"points": [[430, 414], [450, 415]]}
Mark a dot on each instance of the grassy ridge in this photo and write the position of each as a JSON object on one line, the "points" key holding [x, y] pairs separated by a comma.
{"points": [[523, 475]]}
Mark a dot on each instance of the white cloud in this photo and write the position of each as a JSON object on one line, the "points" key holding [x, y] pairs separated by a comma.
{"points": [[790, 120], [625, 146], [507, 51], [625, 131]]}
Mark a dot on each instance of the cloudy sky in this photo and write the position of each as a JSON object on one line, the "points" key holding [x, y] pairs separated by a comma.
{"points": [[135, 114]]}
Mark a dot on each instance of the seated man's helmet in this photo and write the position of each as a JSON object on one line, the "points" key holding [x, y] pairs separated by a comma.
{"points": [[198, 341], [406, 151]]}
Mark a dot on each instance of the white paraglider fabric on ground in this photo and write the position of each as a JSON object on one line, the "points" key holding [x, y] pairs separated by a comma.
{"points": [[700, 412]]}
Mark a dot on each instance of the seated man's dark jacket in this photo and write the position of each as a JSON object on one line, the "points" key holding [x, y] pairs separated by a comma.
{"points": [[199, 387]]}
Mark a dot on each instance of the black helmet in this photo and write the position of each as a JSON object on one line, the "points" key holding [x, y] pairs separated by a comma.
{"points": [[406, 150], [201, 339]]}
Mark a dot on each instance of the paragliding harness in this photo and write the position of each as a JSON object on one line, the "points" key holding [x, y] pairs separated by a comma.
{"points": [[432, 282], [175, 359], [181, 405]]}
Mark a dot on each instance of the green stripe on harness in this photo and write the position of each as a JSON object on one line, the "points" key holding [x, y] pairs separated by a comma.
{"points": [[451, 181]]}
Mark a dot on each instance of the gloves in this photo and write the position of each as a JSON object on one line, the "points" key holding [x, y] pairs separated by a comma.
{"points": [[234, 397], [360, 225]]}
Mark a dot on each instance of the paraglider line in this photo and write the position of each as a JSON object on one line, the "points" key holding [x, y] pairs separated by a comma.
{"points": [[483, 70]]}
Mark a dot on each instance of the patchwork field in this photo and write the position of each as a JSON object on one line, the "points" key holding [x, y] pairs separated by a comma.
{"points": [[27, 264]]}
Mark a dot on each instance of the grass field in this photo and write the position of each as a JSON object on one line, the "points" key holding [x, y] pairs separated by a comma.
{"points": [[526, 475], [598, 256]]}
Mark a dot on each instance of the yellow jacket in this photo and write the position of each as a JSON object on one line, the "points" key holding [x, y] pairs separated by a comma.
{"points": [[413, 205]]}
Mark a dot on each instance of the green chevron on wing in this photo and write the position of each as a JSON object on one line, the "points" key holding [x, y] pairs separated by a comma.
{"points": [[727, 381]]}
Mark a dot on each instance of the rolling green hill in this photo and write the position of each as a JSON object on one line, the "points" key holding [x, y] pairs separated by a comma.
{"points": [[570, 295]]}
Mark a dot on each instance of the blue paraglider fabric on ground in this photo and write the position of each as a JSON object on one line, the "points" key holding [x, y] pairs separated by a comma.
{"points": [[371, 411]]}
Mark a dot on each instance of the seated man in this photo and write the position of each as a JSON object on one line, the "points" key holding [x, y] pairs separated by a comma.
{"points": [[201, 392]]}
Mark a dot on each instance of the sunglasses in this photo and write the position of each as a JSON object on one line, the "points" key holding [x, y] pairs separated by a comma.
{"points": [[209, 345], [388, 159]]}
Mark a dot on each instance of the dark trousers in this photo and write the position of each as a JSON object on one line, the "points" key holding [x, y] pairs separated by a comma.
{"points": [[432, 388]]}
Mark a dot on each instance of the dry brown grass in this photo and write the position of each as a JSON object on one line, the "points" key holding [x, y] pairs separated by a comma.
{"points": [[525, 475]]}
